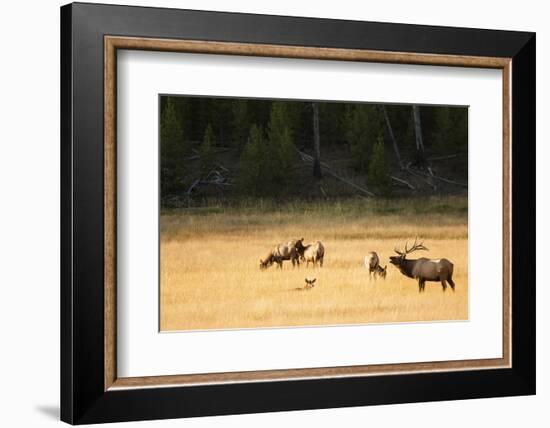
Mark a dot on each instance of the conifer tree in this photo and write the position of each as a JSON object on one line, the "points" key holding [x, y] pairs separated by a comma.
{"points": [[363, 125], [240, 118], [282, 159], [253, 156], [173, 150], [206, 151], [442, 134], [377, 168]]}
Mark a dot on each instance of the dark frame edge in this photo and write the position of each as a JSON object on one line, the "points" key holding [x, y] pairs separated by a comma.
{"points": [[82, 398], [66, 130], [524, 214]]}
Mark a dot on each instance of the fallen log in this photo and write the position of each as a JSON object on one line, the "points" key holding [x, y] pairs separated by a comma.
{"points": [[445, 157], [401, 181], [445, 180], [309, 159], [418, 175], [193, 185]]}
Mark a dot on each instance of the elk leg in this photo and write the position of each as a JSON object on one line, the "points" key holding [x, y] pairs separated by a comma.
{"points": [[321, 261], [444, 285], [420, 286], [452, 283]]}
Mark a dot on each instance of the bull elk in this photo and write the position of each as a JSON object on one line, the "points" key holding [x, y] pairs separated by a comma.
{"points": [[423, 269]]}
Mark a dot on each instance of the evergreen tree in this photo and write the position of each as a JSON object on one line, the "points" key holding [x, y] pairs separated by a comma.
{"points": [[363, 126], [282, 151], [460, 128], [173, 149], [377, 168], [332, 130], [206, 151], [253, 156], [450, 130], [240, 122], [442, 130], [220, 118]]}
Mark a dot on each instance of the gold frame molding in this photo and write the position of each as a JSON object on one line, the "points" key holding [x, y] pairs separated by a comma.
{"points": [[113, 43]]}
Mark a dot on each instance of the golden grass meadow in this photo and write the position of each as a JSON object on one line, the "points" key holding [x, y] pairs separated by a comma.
{"points": [[210, 276]]}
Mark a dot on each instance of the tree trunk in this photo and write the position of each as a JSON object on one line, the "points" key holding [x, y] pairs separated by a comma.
{"points": [[420, 158], [418, 129], [316, 143], [392, 136]]}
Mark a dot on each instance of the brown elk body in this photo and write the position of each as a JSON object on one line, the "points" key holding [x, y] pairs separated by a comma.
{"points": [[314, 253], [299, 245], [372, 263], [288, 251], [424, 269], [380, 271]]}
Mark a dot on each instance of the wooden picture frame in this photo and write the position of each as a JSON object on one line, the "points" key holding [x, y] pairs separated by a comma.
{"points": [[91, 391]]}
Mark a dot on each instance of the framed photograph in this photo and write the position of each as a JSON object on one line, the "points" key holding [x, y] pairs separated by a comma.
{"points": [[265, 213]]}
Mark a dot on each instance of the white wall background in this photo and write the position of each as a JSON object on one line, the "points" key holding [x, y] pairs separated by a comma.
{"points": [[29, 219]]}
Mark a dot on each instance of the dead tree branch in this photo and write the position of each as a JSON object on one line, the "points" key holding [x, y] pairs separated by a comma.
{"points": [[445, 180], [438, 158], [309, 159], [421, 176], [401, 181]]}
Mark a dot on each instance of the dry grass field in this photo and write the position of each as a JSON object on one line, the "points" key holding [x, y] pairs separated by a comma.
{"points": [[210, 276]]}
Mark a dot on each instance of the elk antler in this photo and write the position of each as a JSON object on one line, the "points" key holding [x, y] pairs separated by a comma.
{"points": [[415, 246]]}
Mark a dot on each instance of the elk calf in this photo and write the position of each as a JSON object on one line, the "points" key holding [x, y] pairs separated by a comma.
{"points": [[380, 271], [310, 283], [372, 263]]}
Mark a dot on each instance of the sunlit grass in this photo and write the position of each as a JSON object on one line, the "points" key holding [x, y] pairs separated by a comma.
{"points": [[210, 276]]}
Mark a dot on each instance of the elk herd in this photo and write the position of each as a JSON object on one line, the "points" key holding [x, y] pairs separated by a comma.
{"points": [[422, 269], [295, 251]]}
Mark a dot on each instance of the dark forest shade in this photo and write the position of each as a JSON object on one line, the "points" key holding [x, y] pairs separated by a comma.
{"points": [[226, 149]]}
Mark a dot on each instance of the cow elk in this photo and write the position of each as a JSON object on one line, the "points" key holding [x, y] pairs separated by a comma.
{"points": [[314, 253], [423, 269], [372, 263], [289, 251]]}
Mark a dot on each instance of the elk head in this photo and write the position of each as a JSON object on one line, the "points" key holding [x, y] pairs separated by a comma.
{"points": [[299, 245], [310, 283], [265, 264], [398, 260]]}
